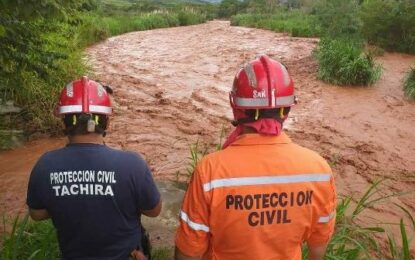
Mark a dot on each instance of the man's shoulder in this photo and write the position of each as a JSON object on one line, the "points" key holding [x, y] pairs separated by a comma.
{"points": [[126, 155], [307, 151], [308, 156], [113, 153]]}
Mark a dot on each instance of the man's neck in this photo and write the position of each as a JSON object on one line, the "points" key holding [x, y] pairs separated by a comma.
{"points": [[88, 138]]}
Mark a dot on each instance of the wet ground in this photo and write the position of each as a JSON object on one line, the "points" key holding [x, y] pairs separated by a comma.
{"points": [[171, 90]]}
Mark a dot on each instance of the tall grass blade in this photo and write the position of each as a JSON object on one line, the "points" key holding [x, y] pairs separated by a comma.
{"points": [[411, 218], [405, 244], [361, 205]]}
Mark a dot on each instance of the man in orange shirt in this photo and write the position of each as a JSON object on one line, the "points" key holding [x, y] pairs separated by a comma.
{"points": [[262, 196]]}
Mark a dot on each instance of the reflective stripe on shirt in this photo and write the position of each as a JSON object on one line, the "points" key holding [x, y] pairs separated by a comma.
{"points": [[263, 180], [191, 224], [326, 219]]}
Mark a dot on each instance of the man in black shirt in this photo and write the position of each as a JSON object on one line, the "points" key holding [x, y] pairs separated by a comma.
{"points": [[94, 195]]}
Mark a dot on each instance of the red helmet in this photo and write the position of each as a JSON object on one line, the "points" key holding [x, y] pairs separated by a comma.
{"points": [[261, 84], [84, 96]]}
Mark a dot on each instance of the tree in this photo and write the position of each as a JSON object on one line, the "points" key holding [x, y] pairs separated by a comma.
{"points": [[227, 8], [22, 47]]}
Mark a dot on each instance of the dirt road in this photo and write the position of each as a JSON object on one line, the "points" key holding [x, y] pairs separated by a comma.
{"points": [[171, 90]]}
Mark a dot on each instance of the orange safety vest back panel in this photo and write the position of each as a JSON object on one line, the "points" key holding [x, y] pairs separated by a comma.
{"points": [[260, 198]]}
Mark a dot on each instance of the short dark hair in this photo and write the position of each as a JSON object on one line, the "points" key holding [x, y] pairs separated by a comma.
{"points": [[77, 124], [268, 113]]}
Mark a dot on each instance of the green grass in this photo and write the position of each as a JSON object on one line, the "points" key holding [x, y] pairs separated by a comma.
{"points": [[409, 84], [343, 62], [297, 23], [30, 240], [162, 253]]}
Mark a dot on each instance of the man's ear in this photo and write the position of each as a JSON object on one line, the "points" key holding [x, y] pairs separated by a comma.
{"points": [[108, 122]]}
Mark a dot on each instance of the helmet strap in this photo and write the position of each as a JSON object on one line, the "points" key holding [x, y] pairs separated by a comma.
{"points": [[262, 114], [74, 120]]}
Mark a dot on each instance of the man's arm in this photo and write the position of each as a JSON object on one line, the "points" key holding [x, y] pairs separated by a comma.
{"points": [[39, 214], [316, 252], [154, 212], [178, 255]]}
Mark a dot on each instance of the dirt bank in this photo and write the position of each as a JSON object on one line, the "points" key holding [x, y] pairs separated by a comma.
{"points": [[171, 90]]}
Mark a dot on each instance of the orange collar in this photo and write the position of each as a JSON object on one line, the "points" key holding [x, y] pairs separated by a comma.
{"points": [[255, 139]]}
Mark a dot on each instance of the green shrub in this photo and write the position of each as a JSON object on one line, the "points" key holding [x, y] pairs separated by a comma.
{"points": [[343, 63], [389, 24], [117, 25], [92, 29], [409, 84], [29, 240], [338, 17], [189, 18], [296, 23]]}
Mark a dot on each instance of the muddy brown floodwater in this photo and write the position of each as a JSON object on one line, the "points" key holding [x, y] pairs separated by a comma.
{"points": [[171, 90]]}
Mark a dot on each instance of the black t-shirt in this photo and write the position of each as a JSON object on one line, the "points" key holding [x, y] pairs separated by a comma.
{"points": [[94, 195]]}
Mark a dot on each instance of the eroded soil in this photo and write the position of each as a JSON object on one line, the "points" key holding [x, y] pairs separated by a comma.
{"points": [[171, 90]]}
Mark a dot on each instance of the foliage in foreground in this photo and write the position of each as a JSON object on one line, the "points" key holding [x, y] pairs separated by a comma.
{"points": [[342, 62], [409, 84], [351, 240], [30, 240]]}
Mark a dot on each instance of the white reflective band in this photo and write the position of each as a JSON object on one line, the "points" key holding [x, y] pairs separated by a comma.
{"points": [[100, 109], [78, 109], [70, 109], [285, 101], [263, 102], [251, 102], [193, 225], [326, 219], [264, 180]]}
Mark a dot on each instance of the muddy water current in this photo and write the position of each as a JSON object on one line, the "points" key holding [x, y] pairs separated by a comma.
{"points": [[171, 90]]}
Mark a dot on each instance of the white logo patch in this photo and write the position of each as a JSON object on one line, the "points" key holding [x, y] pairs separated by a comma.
{"points": [[259, 94], [100, 90], [69, 90]]}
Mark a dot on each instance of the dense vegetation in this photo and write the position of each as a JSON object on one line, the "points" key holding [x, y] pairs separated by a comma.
{"points": [[342, 62], [41, 44], [388, 24]]}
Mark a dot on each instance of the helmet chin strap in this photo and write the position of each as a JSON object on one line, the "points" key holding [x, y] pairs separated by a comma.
{"points": [[261, 115]]}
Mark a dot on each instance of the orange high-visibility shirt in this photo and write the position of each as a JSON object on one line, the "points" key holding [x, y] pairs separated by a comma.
{"points": [[260, 198]]}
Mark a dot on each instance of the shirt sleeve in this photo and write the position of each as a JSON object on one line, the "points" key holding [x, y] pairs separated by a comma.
{"points": [[325, 218], [35, 188], [148, 194], [192, 236]]}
